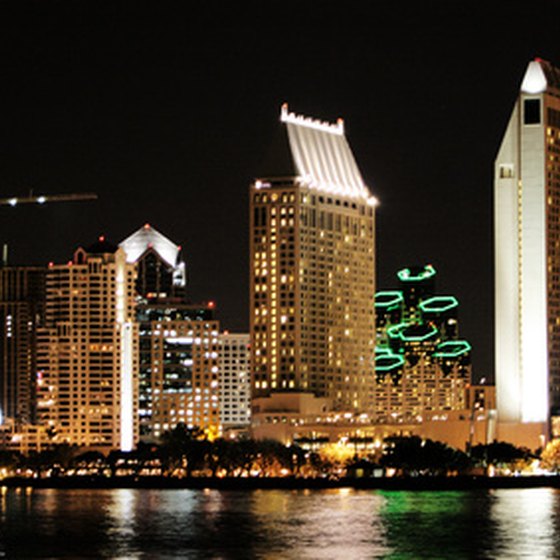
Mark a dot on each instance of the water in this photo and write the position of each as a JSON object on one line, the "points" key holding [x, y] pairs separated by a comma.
{"points": [[279, 524]]}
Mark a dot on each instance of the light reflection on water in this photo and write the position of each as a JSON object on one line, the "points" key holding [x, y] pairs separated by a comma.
{"points": [[278, 524]]}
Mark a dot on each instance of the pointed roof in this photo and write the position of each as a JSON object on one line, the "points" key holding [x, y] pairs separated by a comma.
{"points": [[540, 76], [318, 154], [149, 238]]}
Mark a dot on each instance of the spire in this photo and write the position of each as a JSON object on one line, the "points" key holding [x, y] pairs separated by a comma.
{"points": [[534, 80], [540, 76]]}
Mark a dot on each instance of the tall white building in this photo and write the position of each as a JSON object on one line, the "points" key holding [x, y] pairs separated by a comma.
{"points": [[527, 253]]}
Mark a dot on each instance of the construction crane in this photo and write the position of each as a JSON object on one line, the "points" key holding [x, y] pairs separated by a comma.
{"points": [[39, 199], [42, 198]]}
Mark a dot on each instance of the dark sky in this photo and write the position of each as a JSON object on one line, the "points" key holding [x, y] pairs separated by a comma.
{"points": [[165, 110]]}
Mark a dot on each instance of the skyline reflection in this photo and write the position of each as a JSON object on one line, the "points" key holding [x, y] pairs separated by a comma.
{"points": [[274, 524]]}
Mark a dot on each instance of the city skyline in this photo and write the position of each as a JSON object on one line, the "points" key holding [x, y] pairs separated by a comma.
{"points": [[167, 121]]}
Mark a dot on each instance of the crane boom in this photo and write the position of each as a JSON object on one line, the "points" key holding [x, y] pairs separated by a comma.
{"points": [[43, 198]]}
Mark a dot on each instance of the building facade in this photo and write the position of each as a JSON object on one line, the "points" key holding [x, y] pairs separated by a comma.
{"points": [[179, 374], [312, 275], [87, 380], [184, 377], [422, 367], [21, 313], [235, 380], [527, 253]]}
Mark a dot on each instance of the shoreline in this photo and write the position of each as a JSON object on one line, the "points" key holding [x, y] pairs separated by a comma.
{"points": [[270, 483]]}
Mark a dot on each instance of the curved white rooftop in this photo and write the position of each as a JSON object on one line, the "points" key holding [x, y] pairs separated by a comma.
{"points": [[322, 156], [149, 238]]}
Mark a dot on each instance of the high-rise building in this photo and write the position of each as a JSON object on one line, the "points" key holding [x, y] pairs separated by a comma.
{"points": [[235, 380], [527, 253], [87, 351], [179, 374], [312, 270], [184, 376], [21, 312], [422, 367]]}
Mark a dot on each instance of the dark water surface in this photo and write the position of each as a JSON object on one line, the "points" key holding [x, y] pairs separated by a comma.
{"points": [[277, 524]]}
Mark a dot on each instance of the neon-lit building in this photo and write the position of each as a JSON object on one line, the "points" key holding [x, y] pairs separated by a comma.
{"points": [[87, 352], [527, 253], [179, 373], [422, 367], [21, 312], [312, 272]]}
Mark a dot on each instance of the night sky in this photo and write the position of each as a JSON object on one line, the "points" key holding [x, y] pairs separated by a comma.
{"points": [[165, 111]]}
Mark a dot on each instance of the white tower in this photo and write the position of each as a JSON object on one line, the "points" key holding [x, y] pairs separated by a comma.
{"points": [[527, 252]]}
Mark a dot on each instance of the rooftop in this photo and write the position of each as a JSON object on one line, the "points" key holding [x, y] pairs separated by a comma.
{"points": [[147, 238], [318, 154]]}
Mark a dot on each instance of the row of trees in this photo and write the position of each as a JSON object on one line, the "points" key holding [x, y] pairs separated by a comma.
{"points": [[186, 453]]}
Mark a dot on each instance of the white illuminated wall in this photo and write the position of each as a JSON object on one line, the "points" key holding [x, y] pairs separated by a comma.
{"points": [[127, 377], [521, 343]]}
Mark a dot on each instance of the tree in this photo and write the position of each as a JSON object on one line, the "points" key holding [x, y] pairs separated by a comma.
{"points": [[550, 457], [413, 455], [9, 459], [94, 462], [499, 454], [335, 457], [183, 449]]}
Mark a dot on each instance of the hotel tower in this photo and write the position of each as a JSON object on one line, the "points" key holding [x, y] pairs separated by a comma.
{"points": [[312, 273], [527, 253]]}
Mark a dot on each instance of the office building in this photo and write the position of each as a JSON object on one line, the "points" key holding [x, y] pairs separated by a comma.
{"points": [[184, 376], [235, 380], [87, 351], [21, 312], [312, 274], [527, 255], [179, 370]]}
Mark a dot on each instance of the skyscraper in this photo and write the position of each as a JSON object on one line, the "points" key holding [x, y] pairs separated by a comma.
{"points": [[527, 252], [179, 377], [21, 312], [87, 351], [312, 270]]}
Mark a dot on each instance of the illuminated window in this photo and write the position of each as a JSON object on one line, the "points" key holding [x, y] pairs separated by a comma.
{"points": [[506, 170]]}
